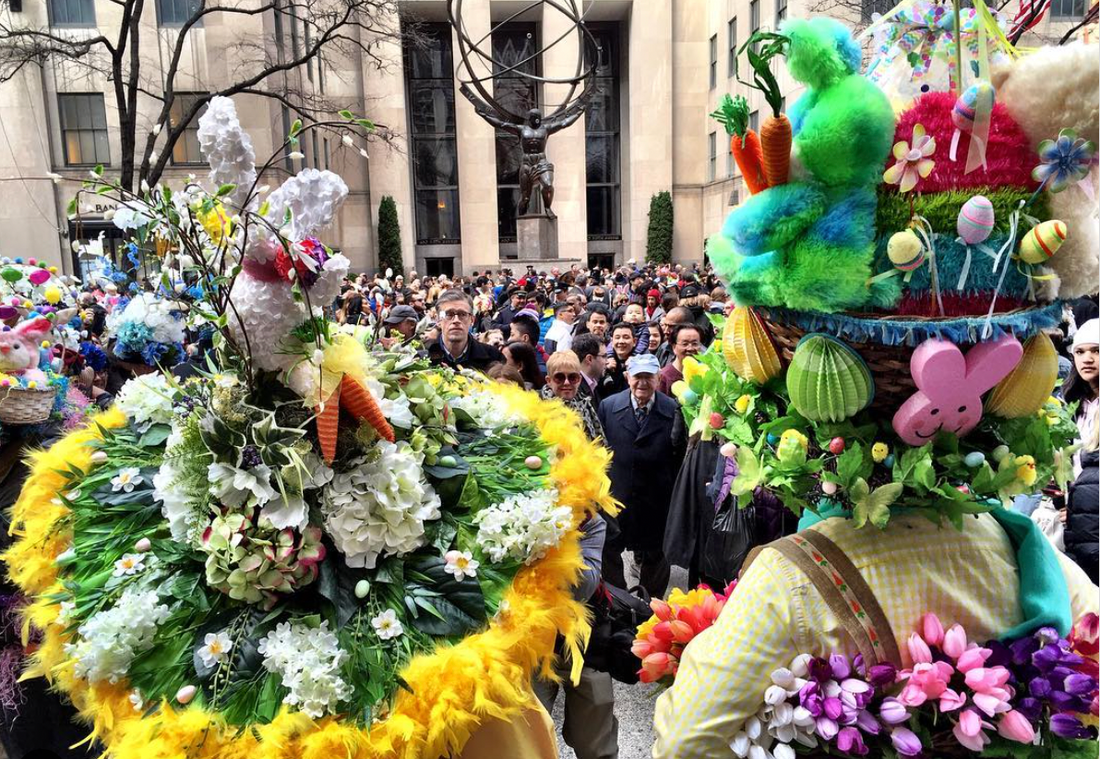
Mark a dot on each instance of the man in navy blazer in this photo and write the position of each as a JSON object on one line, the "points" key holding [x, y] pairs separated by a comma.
{"points": [[645, 431]]}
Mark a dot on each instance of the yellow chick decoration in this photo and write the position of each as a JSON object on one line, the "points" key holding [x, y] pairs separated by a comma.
{"points": [[792, 448], [879, 452]]}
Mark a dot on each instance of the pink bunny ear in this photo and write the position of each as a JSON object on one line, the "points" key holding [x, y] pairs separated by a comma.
{"points": [[937, 366], [989, 363], [33, 327]]}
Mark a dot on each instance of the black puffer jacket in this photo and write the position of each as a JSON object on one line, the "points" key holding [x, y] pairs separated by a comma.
{"points": [[1083, 515]]}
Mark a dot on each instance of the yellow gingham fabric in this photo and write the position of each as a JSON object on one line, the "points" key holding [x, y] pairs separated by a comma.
{"points": [[775, 614]]}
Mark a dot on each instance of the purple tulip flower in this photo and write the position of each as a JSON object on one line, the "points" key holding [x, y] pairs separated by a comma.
{"points": [[1068, 726], [892, 711], [850, 741], [905, 741]]}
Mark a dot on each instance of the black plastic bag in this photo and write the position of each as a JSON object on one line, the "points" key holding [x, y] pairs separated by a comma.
{"points": [[616, 614], [731, 537]]}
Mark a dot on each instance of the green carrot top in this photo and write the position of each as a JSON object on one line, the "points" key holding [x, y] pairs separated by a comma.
{"points": [[733, 114], [760, 59]]}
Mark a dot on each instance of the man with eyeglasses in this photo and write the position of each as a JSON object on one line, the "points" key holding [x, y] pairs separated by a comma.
{"points": [[455, 347], [686, 341]]}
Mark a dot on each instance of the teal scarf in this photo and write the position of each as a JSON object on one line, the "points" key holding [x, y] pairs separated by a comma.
{"points": [[1044, 596]]}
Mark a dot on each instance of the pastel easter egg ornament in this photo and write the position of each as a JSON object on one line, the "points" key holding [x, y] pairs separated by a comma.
{"points": [[971, 115], [905, 251], [1028, 386], [748, 348], [974, 224], [950, 386], [1042, 241], [827, 380]]}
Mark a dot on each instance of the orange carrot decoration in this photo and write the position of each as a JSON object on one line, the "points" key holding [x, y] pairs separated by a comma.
{"points": [[733, 114], [328, 422], [361, 404], [775, 134]]}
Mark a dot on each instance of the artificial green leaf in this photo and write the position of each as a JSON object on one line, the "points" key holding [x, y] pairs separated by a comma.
{"points": [[750, 474], [155, 436], [347, 115], [873, 506], [850, 465], [296, 127]]}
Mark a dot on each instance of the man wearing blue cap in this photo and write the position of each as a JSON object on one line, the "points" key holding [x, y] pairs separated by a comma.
{"points": [[644, 430]]}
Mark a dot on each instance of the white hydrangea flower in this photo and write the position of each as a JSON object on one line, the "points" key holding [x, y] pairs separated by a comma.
{"points": [[487, 410], [110, 639], [147, 399], [162, 317], [308, 661], [380, 505], [523, 527], [313, 197], [227, 148], [267, 313], [184, 519]]}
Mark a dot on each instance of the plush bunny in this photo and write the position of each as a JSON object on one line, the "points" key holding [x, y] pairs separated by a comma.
{"points": [[19, 354], [950, 386]]}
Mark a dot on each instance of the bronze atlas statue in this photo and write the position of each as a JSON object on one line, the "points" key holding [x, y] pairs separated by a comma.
{"points": [[533, 128]]}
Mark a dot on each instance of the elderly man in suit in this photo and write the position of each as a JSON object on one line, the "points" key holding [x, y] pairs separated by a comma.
{"points": [[645, 432]]}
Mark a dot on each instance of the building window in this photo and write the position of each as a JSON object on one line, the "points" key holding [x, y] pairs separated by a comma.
{"points": [[1067, 9], [712, 155], [601, 140], [429, 78], [177, 12], [84, 129], [186, 150], [71, 12], [731, 30], [780, 12], [868, 8], [754, 121], [308, 47], [754, 18], [514, 46], [731, 165], [714, 61]]}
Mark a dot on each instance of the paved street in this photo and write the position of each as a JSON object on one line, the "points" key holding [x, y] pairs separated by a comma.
{"points": [[633, 703]]}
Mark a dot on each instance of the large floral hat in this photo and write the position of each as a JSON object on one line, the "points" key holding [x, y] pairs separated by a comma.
{"points": [[314, 547]]}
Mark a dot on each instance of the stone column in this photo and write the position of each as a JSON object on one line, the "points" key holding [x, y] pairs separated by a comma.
{"points": [[477, 194], [566, 148], [390, 174], [649, 129]]}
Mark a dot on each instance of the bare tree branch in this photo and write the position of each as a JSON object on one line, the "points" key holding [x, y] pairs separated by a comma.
{"points": [[335, 32]]}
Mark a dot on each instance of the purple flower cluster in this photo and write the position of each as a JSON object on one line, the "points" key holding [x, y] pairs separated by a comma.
{"points": [[1057, 681], [835, 702]]}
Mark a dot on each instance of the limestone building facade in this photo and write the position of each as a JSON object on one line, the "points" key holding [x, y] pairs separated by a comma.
{"points": [[664, 66]]}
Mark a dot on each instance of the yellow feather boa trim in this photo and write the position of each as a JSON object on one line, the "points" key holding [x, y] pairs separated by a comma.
{"points": [[454, 689]]}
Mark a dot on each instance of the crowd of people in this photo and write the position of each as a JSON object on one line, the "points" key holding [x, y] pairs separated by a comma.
{"points": [[611, 345]]}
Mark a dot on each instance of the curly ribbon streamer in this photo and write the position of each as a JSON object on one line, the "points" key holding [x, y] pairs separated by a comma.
{"points": [[923, 229]]}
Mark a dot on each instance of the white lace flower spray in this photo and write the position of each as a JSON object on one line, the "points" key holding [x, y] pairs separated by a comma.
{"points": [[523, 527], [380, 505], [307, 661], [147, 399], [110, 639]]}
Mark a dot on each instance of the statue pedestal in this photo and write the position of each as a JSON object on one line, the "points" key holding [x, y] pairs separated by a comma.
{"points": [[537, 238]]}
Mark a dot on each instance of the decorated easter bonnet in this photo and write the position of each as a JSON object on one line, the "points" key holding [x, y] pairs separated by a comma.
{"points": [[318, 548], [889, 347], [896, 270]]}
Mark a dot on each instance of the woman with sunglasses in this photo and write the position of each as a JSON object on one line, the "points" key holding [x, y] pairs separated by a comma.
{"points": [[564, 381]]}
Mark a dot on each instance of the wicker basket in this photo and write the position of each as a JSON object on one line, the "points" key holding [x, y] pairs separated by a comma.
{"points": [[889, 364], [19, 405]]}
